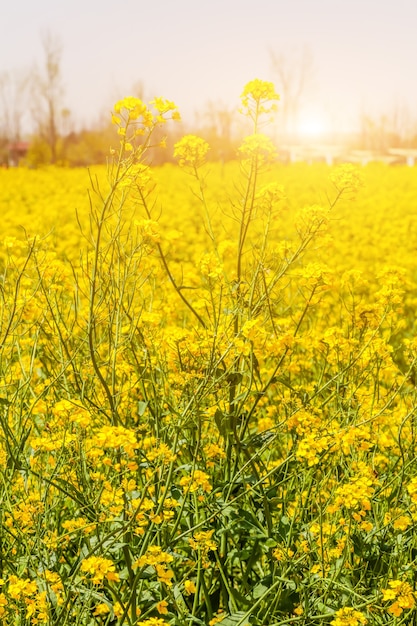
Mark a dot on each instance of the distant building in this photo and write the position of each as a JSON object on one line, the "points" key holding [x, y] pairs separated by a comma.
{"points": [[16, 151], [339, 153], [408, 154]]}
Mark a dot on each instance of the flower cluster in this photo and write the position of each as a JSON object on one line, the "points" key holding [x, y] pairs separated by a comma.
{"points": [[191, 151], [99, 569], [259, 96], [401, 594]]}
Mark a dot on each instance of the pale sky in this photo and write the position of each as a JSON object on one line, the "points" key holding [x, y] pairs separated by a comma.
{"points": [[192, 51]]}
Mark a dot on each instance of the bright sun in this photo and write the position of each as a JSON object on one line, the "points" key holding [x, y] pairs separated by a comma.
{"points": [[312, 125]]}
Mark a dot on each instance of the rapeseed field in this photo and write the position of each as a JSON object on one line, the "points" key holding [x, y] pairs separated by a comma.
{"points": [[207, 387]]}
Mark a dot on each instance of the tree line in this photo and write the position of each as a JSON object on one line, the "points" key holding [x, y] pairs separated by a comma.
{"points": [[53, 139]]}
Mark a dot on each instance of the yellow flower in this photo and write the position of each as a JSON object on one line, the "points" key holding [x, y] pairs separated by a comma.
{"points": [[199, 480], [347, 177], [269, 195], [259, 147], [220, 615], [117, 609], [99, 569], [202, 540], [213, 451], [149, 230], [152, 621], [113, 437], [134, 106], [191, 151], [164, 575], [211, 267], [256, 94], [3, 603], [349, 617], [162, 607], [189, 587], [282, 553], [21, 587], [154, 556], [101, 609], [164, 106], [403, 595], [158, 559], [402, 523]]}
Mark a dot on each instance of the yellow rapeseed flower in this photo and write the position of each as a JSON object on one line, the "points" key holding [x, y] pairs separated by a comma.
{"points": [[402, 594], [191, 151], [349, 617], [99, 569]]}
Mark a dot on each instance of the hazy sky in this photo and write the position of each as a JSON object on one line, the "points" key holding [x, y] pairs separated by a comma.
{"points": [[191, 51]]}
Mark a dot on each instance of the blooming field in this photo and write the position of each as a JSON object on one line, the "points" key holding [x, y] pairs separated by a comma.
{"points": [[207, 388]]}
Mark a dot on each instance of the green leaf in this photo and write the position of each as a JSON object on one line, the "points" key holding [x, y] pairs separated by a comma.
{"points": [[259, 590], [323, 608], [124, 574], [142, 407], [235, 619], [234, 378], [220, 420]]}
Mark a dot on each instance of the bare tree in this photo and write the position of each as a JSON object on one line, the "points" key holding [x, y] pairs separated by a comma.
{"points": [[395, 128], [139, 90], [13, 92], [48, 92], [401, 124], [216, 123], [293, 74], [220, 119]]}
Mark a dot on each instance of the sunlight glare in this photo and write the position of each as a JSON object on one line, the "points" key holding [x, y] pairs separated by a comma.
{"points": [[312, 125]]}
